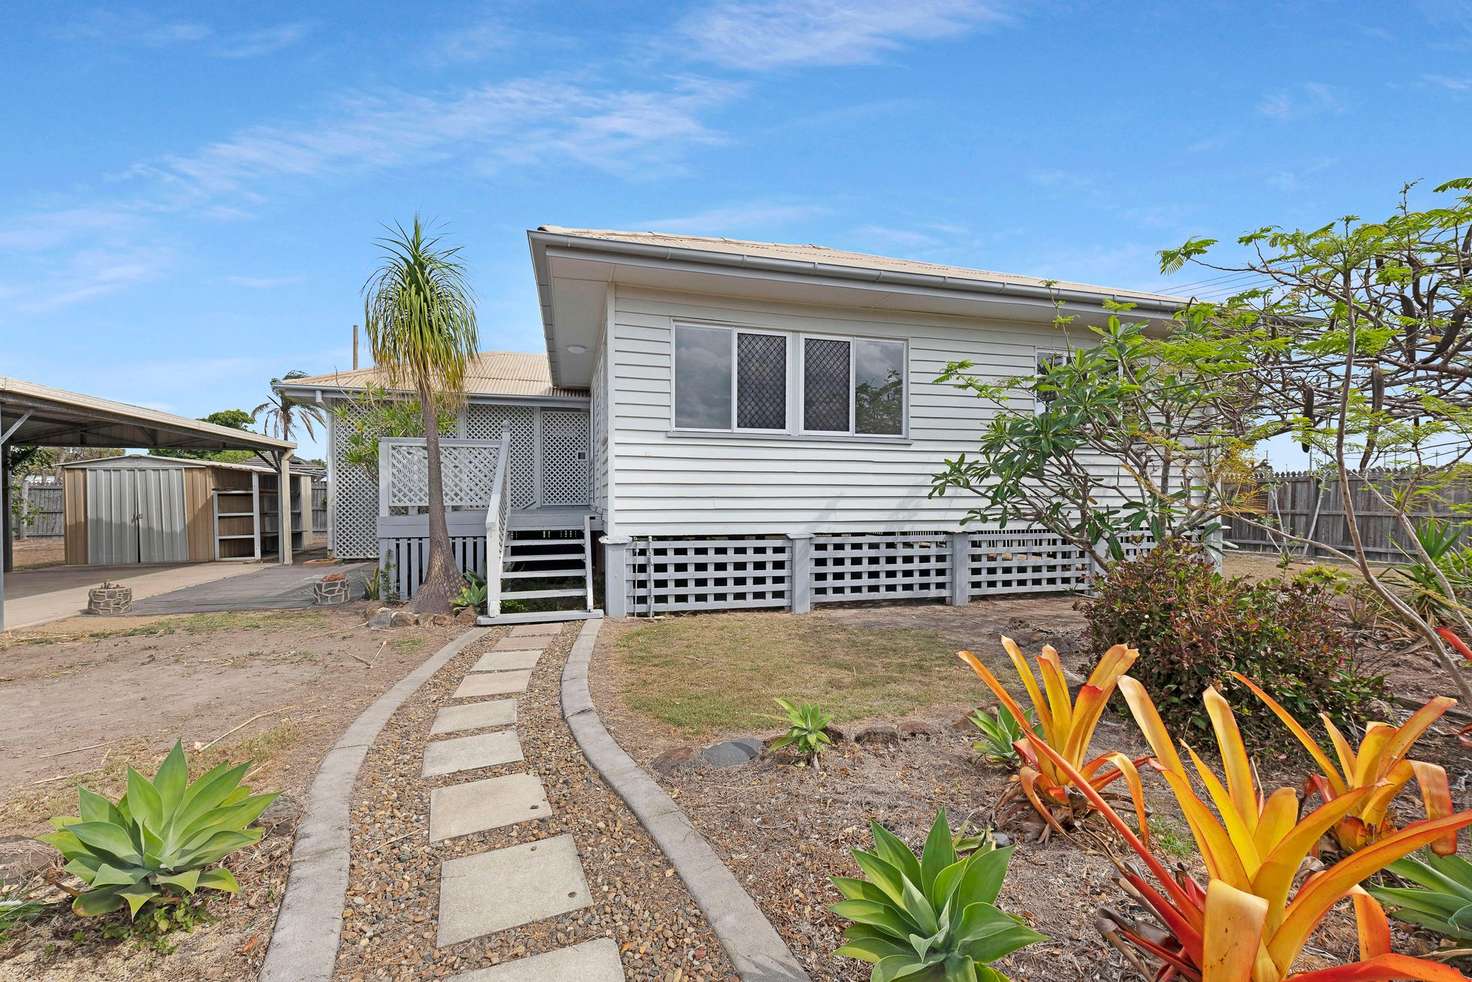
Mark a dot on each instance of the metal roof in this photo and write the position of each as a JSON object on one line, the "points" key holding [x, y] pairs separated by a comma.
{"points": [[817, 256], [514, 374], [51, 417]]}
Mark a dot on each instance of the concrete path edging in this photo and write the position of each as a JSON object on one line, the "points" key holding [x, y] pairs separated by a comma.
{"points": [[309, 924], [753, 945]]}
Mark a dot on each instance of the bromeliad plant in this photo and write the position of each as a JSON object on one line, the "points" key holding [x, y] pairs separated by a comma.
{"points": [[806, 729], [1068, 725], [1244, 926], [1381, 765], [160, 842], [929, 919], [472, 594], [1441, 901]]}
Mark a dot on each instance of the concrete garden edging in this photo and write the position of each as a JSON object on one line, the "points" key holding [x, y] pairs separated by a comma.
{"points": [[309, 924], [753, 945]]}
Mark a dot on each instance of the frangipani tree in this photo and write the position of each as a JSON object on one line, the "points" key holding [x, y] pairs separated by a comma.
{"points": [[420, 316]]}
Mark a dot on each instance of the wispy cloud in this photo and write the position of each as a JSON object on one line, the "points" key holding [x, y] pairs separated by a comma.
{"points": [[757, 35], [1296, 178], [138, 28], [733, 218], [1301, 101], [1450, 83], [85, 275]]}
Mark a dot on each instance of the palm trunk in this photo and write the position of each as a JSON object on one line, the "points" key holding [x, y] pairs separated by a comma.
{"points": [[442, 581]]}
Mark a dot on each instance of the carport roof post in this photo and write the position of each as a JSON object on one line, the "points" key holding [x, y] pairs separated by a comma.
{"points": [[41, 416]]}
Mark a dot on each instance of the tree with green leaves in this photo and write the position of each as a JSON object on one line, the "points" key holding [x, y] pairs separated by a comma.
{"points": [[1371, 368], [420, 316], [280, 415], [235, 419]]}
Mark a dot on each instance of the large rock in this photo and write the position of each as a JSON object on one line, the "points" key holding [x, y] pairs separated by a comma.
{"points": [[21, 858], [911, 729], [731, 753], [403, 618], [878, 735], [672, 760]]}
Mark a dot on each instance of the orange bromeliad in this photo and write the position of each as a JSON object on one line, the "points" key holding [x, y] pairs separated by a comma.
{"points": [[1380, 764], [1067, 724]]}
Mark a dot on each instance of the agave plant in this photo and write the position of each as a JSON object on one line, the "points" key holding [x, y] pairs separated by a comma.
{"points": [[929, 919], [472, 594], [161, 839], [805, 731], [1067, 725], [1381, 764], [1252, 846], [1441, 901], [1000, 731]]}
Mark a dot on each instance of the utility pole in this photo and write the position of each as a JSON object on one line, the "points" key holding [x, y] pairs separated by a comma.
{"points": [[355, 347]]}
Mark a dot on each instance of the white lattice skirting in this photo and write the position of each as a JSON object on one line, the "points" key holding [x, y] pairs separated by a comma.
{"points": [[718, 573]]}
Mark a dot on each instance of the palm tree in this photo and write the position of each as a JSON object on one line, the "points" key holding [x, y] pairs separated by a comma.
{"points": [[281, 414], [420, 317]]}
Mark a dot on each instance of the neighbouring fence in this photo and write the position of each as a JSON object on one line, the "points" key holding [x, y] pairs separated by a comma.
{"points": [[1313, 506], [41, 512], [793, 572], [319, 504]]}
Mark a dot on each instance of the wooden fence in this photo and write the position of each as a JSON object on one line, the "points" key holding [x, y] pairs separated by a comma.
{"points": [[41, 512], [1312, 506]]}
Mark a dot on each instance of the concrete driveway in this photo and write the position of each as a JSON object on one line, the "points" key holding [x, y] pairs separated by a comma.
{"points": [[36, 596]]}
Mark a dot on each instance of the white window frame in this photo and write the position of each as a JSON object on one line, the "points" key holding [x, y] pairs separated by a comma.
{"points": [[733, 330], [852, 431], [1039, 405]]}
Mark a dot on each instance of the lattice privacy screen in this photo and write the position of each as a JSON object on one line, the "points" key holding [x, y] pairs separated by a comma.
{"points": [[565, 465], [893, 566], [707, 574], [355, 493], [466, 468], [485, 423], [1025, 561]]}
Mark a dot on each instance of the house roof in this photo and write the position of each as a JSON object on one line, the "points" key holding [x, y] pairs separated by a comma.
{"points": [[820, 256], [52, 417], [151, 460], [514, 374]]}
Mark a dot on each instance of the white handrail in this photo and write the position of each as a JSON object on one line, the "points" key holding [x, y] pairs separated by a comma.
{"points": [[498, 514]]}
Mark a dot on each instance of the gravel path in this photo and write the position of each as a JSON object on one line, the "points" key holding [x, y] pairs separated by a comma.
{"points": [[393, 891]]}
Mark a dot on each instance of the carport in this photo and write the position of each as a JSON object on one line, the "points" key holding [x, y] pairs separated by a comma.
{"points": [[41, 416]]}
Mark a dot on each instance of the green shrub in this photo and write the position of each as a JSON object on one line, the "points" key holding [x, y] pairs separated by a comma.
{"points": [[805, 731], [1441, 899], [932, 917], [1194, 627], [472, 594], [999, 731], [159, 843]]}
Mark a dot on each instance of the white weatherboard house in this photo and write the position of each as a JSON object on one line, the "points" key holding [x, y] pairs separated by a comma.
{"points": [[721, 424]]}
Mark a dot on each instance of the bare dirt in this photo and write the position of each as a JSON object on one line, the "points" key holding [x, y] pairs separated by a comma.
{"points": [[90, 697], [785, 830]]}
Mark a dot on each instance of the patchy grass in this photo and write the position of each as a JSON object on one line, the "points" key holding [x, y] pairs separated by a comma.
{"points": [[1170, 839], [719, 672], [185, 624]]}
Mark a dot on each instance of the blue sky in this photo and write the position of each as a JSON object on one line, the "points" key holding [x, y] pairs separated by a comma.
{"points": [[190, 192]]}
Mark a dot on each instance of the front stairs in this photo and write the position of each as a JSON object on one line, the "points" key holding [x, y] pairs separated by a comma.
{"points": [[546, 575]]}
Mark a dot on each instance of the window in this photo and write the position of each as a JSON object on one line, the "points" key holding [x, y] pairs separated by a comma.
{"points": [[717, 368], [1045, 361], [853, 386]]}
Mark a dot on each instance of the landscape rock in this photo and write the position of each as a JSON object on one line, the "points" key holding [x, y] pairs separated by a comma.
{"points": [[403, 618], [285, 811], [380, 618], [467, 616], [440, 620], [672, 760], [731, 753], [22, 857], [911, 729], [878, 735]]}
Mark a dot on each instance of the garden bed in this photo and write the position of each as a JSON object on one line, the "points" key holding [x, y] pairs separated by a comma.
{"points": [[95, 697], [389, 925], [784, 830]]}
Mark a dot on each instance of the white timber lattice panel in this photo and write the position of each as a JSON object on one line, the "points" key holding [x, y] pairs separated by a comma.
{"points": [[484, 422], [708, 574], [565, 470], [466, 470], [355, 489], [1025, 561], [880, 565]]}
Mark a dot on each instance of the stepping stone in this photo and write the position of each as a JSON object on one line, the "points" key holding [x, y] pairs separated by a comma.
{"points": [[504, 888], [591, 961], [468, 753], [492, 684], [536, 630], [521, 644], [495, 712], [503, 661], [475, 806]]}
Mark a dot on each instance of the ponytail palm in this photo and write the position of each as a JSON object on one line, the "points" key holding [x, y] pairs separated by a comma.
{"points": [[420, 316]]}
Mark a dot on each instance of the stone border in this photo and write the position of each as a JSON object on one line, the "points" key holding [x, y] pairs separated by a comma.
{"points": [[309, 923], [754, 946]]}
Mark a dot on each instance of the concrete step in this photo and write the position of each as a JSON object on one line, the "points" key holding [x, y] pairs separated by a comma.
{"points": [[540, 617]]}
